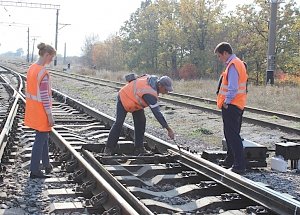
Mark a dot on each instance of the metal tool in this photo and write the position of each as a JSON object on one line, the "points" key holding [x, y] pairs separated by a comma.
{"points": [[177, 145]]}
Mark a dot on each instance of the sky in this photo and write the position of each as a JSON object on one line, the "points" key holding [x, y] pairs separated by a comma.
{"points": [[99, 17]]}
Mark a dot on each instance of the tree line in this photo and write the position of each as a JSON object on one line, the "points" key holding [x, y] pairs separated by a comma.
{"points": [[172, 37]]}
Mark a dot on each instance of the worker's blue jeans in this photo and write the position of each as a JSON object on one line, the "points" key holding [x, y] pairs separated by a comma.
{"points": [[232, 122], [139, 120], [40, 151]]}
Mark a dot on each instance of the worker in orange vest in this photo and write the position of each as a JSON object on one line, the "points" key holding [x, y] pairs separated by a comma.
{"points": [[38, 110], [134, 97], [231, 98]]}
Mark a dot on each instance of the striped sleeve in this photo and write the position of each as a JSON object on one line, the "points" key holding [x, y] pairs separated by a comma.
{"points": [[44, 92]]}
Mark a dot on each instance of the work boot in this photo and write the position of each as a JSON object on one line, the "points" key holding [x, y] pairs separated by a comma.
{"points": [[39, 174], [140, 151], [238, 171], [109, 151], [225, 163], [48, 169]]}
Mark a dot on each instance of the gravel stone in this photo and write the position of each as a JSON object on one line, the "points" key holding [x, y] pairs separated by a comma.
{"points": [[3, 206], [198, 130], [32, 210], [3, 195]]}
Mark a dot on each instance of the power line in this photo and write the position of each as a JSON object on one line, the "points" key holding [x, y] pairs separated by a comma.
{"points": [[37, 5], [29, 5]]}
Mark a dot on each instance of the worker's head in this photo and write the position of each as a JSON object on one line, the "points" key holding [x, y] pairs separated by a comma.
{"points": [[223, 50], [46, 53], [165, 85]]}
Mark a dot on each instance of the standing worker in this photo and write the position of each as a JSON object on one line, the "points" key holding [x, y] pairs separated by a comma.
{"points": [[134, 97], [38, 110], [231, 98]]}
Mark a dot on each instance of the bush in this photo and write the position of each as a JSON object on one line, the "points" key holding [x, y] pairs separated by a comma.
{"points": [[188, 72]]}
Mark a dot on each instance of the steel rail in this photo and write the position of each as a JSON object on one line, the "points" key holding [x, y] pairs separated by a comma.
{"points": [[139, 206], [247, 108], [207, 100], [184, 96], [265, 196], [245, 118], [271, 199], [260, 122], [113, 196], [9, 121], [281, 115]]}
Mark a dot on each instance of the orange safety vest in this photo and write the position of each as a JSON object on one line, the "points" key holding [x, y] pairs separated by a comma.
{"points": [[240, 99], [35, 114], [131, 95]]}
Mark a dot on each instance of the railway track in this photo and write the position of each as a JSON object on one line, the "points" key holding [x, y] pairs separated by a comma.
{"points": [[275, 120], [288, 123], [168, 182]]}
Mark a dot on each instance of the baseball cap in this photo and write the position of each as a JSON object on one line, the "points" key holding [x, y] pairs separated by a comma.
{"points": [[166, 81]]}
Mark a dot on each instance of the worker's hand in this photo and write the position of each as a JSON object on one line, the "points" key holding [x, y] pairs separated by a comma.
{"points": [[225, 106], [171, 133], [51, 120]]}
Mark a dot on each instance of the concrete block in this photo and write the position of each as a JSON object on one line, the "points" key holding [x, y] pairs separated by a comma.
{"points": [[279, 164]]}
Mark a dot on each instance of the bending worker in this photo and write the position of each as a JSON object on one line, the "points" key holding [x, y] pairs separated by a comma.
{"points": [[232, 95], [38, 110], [134, 97]]}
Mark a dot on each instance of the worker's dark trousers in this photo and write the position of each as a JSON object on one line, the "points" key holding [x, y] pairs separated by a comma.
{"points": [[40, 151], [139, 120], [232, 121]]}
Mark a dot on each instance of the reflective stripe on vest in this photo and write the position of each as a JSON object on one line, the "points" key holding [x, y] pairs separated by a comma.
{"points": [[241, 95], [37, 98], [240, 91], [143, 91], [35, 114], [136, 95], [131, 95]]}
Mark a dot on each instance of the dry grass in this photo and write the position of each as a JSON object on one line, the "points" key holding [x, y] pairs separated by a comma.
{"points": [[275, 98], [115, 76]]}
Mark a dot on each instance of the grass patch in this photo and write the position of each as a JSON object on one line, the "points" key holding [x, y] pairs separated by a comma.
{"points": [[200, 131], [274, 117]]}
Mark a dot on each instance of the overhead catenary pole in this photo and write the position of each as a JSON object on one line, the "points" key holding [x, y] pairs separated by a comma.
{"points": [[36, 5], [56, 35], [271, 55], [28, 45], [34, 39], [65, 53]]}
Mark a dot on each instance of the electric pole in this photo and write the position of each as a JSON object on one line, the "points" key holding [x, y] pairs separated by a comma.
{"points": [[65, 53], [28, 45], [56, 35], [36, 5], [34, 39], [271, 55]]}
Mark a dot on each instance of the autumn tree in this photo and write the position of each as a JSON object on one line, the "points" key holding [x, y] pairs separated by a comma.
{"points": [[167, 36], [108, 54], [87, 49]]}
